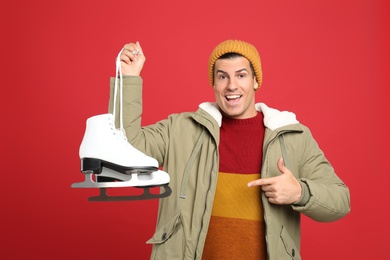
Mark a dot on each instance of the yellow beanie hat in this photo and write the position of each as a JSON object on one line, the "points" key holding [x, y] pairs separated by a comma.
{"points": [[245, 49]]}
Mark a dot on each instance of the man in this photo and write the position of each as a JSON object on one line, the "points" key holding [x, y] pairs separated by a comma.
{"points": [[240, 172]]}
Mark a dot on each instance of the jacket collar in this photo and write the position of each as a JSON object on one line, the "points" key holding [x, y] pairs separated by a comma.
{"points": [[273, 118]]}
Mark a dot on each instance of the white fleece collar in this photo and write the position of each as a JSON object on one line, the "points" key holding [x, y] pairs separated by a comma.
{"points": [[273, 118]]}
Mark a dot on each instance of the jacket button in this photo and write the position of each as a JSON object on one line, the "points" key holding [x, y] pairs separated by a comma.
{"points": [[164, 236], [293, 252]]}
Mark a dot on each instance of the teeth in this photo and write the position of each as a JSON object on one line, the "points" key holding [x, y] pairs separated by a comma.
{"points": [[232, 96]]}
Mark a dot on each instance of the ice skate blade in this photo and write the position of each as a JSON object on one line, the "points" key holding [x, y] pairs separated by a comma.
{"points": [[147, 195], [156, 178]]}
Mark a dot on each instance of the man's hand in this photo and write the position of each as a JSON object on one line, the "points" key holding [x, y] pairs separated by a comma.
{"points": [[283, 189], [132, 59]]}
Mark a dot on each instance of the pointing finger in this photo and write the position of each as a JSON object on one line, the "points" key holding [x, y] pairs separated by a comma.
{"points": [[260, 182]]}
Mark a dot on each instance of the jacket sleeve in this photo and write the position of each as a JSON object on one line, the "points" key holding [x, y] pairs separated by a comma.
{"points": [[150, 139], [329, 197]]}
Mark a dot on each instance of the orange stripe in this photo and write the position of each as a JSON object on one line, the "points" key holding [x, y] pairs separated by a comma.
{"points": [[234, 239]]}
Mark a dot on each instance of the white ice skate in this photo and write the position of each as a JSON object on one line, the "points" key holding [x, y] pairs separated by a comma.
{"points": [[108, 160]]}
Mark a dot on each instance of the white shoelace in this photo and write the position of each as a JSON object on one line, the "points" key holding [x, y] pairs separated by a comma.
{"points": [[118, 71]]}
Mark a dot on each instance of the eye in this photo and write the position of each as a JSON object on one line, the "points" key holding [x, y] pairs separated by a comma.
{"points": [[241, 75], [221, 76]]}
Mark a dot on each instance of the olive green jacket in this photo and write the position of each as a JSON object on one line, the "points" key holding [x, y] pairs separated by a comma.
{"points": [[186, 147]]}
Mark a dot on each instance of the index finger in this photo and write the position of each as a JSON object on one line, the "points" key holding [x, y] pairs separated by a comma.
{"points": [[131, 49], [260, 182]]}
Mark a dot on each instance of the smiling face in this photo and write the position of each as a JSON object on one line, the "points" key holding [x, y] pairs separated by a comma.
{"points": [[234, 87]]}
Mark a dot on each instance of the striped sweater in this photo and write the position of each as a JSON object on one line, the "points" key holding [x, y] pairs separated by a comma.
{"points": [[236, 228]]}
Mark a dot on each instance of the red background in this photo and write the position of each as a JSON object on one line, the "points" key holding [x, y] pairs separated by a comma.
{"points": [[324, 60]]}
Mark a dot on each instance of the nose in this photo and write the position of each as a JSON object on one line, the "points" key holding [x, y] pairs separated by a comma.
{"points": [[232, 85]]}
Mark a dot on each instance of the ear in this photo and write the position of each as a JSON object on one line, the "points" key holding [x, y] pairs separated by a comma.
{"points": [[256, 85]]}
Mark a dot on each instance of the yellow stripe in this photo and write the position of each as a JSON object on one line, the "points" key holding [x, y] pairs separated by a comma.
{"points": [[234, 199]]}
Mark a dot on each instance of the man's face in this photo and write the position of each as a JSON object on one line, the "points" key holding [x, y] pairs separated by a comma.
{"points": [[234, 87]]}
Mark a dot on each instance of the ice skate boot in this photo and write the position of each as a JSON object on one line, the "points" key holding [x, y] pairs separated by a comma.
{"points": [[105, 152]]}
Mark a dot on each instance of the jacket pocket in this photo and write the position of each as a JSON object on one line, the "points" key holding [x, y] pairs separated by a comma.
{"points": [[286, 247], [168, 241]]}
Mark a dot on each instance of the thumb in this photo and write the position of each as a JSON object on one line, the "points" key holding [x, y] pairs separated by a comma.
{"points": [[139, 47], [281, 166]]}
